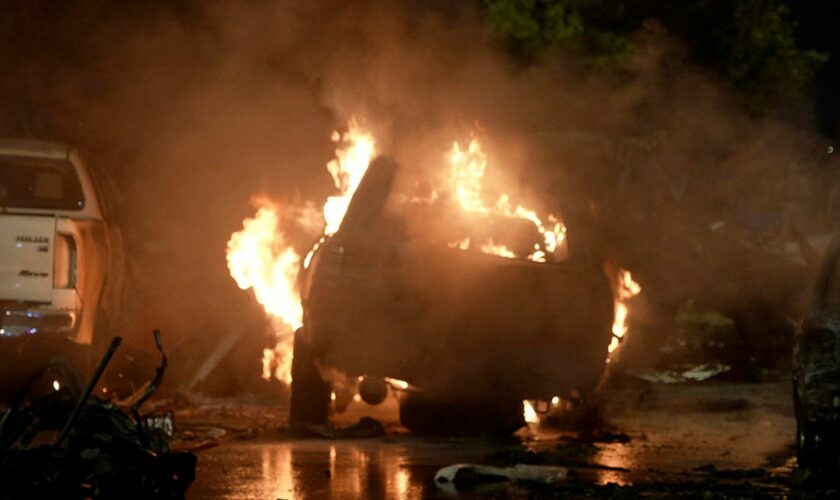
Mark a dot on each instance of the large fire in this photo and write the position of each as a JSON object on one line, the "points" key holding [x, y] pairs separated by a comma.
{"points": [[467, 167], [356, 148], [261, 259]]}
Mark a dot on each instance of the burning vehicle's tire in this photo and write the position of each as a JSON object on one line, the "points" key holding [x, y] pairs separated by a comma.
{"points": [[429, 414], [310, 394]]}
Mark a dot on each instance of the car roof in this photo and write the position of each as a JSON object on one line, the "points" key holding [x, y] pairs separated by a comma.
{"points": [[33, 148]]}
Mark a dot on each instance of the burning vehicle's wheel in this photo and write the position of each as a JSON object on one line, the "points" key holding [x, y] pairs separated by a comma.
{"points": [[310, 398], [429, 414]]}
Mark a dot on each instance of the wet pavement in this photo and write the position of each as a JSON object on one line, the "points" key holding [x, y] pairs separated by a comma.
{"points": [[671, 433], [398, 468]]}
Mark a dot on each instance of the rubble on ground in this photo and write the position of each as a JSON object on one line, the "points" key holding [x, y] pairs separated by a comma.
{"points": [[61, 445]]}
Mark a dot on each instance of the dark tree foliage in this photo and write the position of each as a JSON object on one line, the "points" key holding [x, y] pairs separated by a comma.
{"points": [[751, 43], [818, 23]]}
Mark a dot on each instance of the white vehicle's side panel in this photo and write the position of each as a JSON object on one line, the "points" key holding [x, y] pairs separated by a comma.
{"points": [[26, 267]]}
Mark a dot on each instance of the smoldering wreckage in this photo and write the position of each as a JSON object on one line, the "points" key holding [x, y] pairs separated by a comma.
{"points": [[414, 291]]}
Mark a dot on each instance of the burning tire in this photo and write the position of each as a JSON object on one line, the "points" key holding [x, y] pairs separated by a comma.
{"points": [[310, 398], [425, 414]]}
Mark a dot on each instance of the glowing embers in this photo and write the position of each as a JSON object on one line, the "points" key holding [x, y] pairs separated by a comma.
{"points": [[467, 169], [529, 414], [534, 410]]}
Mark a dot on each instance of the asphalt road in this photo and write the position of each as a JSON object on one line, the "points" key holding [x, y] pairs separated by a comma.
{"points": [[732, 439]]}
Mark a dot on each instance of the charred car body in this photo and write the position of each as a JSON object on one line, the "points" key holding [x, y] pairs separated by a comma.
{"points": [[389, 295], [817, 367]]}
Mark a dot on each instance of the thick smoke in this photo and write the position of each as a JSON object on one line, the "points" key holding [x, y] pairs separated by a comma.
{"points": [[193, 107]]}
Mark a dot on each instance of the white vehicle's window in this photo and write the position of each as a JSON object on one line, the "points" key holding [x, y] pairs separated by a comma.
{"points": [[39, 183]]}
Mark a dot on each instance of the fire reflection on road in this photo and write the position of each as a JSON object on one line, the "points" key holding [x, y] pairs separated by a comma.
{"points": [[619, 458], [277, 469], [305, 469], [400, 467], [671, 434]]}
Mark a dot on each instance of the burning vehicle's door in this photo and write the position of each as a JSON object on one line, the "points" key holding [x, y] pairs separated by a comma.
{"points": [[359, 238], [373, 255]]}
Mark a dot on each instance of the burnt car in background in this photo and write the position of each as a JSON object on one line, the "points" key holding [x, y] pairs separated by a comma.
{"points": [[474, 334], [816, 374]]}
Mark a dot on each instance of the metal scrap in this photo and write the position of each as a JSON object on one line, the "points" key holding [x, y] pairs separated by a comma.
{"points": [[546, 474], [61, 447]]}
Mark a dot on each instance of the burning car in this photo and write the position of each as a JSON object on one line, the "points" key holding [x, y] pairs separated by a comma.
{"points": [[816, 379], [412, 291]]}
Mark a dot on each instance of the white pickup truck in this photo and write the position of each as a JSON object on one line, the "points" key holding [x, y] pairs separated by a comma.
{"points": [[55, 247]]}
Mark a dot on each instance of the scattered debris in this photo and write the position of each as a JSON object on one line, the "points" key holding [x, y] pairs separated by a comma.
{"points": [[545, 474], [696, 373], [601, 436], [61, 447], [164, 424], [733, 473], [565, 453], [366, 427]]}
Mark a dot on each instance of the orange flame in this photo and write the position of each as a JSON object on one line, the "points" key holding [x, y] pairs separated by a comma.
{"points": [[467, 167], [352, 157], [529, 414], [625, 290], [259, 257], [500, 250]]}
